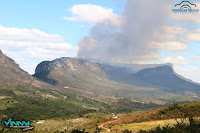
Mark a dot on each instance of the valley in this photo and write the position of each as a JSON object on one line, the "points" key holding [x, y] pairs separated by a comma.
{"points": [[69, 94]]}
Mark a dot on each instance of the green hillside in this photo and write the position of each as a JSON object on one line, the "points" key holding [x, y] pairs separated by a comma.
{"points": [[24, 97], [102, 81], [173, 114]]}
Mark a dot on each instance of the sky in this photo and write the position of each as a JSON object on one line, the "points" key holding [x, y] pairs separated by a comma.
{"points": [[126, 31]]}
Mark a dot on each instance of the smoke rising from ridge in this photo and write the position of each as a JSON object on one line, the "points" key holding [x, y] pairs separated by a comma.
{"points": [[128, 43]]}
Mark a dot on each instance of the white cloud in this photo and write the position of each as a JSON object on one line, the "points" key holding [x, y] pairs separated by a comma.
{"points": [[197, 57], [191, 18], [191, 73], [196, 60], [11, 33], [192, 36], [171, 46], [177, 34], [173, 29], [176, 60], [171, 33], [30, 47], [94, 14], [17, 45]]}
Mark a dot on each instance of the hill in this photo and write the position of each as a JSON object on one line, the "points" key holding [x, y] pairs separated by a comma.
{"points": [[173, 114], [153, 83], [25, 97], [166, 77], [11, 72]]}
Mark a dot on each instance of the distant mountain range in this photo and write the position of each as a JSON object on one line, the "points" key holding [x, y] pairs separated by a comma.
{"points": [[157, 82], [74, 86], [23, 97]]}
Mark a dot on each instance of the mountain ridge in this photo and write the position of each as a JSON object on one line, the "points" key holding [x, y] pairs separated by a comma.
{"points": [[11, 72], [25, 97], [112, 79]]}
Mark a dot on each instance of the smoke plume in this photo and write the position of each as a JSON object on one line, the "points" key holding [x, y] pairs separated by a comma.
{"points": [[129, 42]]}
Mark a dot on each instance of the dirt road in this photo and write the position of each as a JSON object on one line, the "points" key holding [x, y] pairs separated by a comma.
{"points": [[103, 124]]}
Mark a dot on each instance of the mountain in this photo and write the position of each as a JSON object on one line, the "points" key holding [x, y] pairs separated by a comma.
{"points": [[87, 78], [11, 73], [131, 67], [72, 87], [66, 71], [157, 83], [137, 67], [24, 97], [75, 90], [166, 77]]}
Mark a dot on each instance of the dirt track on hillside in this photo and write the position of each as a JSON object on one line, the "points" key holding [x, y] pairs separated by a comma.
{"points": [[103, 124]]}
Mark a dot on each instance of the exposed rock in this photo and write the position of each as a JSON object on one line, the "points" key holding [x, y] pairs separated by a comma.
{"points": [[72, 71]]}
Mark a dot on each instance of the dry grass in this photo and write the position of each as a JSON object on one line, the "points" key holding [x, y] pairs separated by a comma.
{"points": [[147, 125], [144, 125]]}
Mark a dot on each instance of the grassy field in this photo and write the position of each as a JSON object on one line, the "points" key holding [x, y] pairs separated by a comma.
{"points": [[144, 125], [153, 118], [149, 125]]}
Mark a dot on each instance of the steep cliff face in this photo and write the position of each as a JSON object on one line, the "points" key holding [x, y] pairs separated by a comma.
{"points": [[70, 72], [66, 63], [11, 73], [112, 79]]}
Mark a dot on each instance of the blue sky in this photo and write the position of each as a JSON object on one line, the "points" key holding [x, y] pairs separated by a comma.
{"points": [[36, 30], [47, 16]]}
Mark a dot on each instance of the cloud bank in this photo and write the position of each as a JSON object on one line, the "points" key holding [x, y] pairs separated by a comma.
{"points": [[147, 31], [131, 40], [30, 47], [94, 14]]}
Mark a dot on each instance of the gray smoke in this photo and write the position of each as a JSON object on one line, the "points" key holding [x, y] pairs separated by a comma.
{"points": [[129, 42]]}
